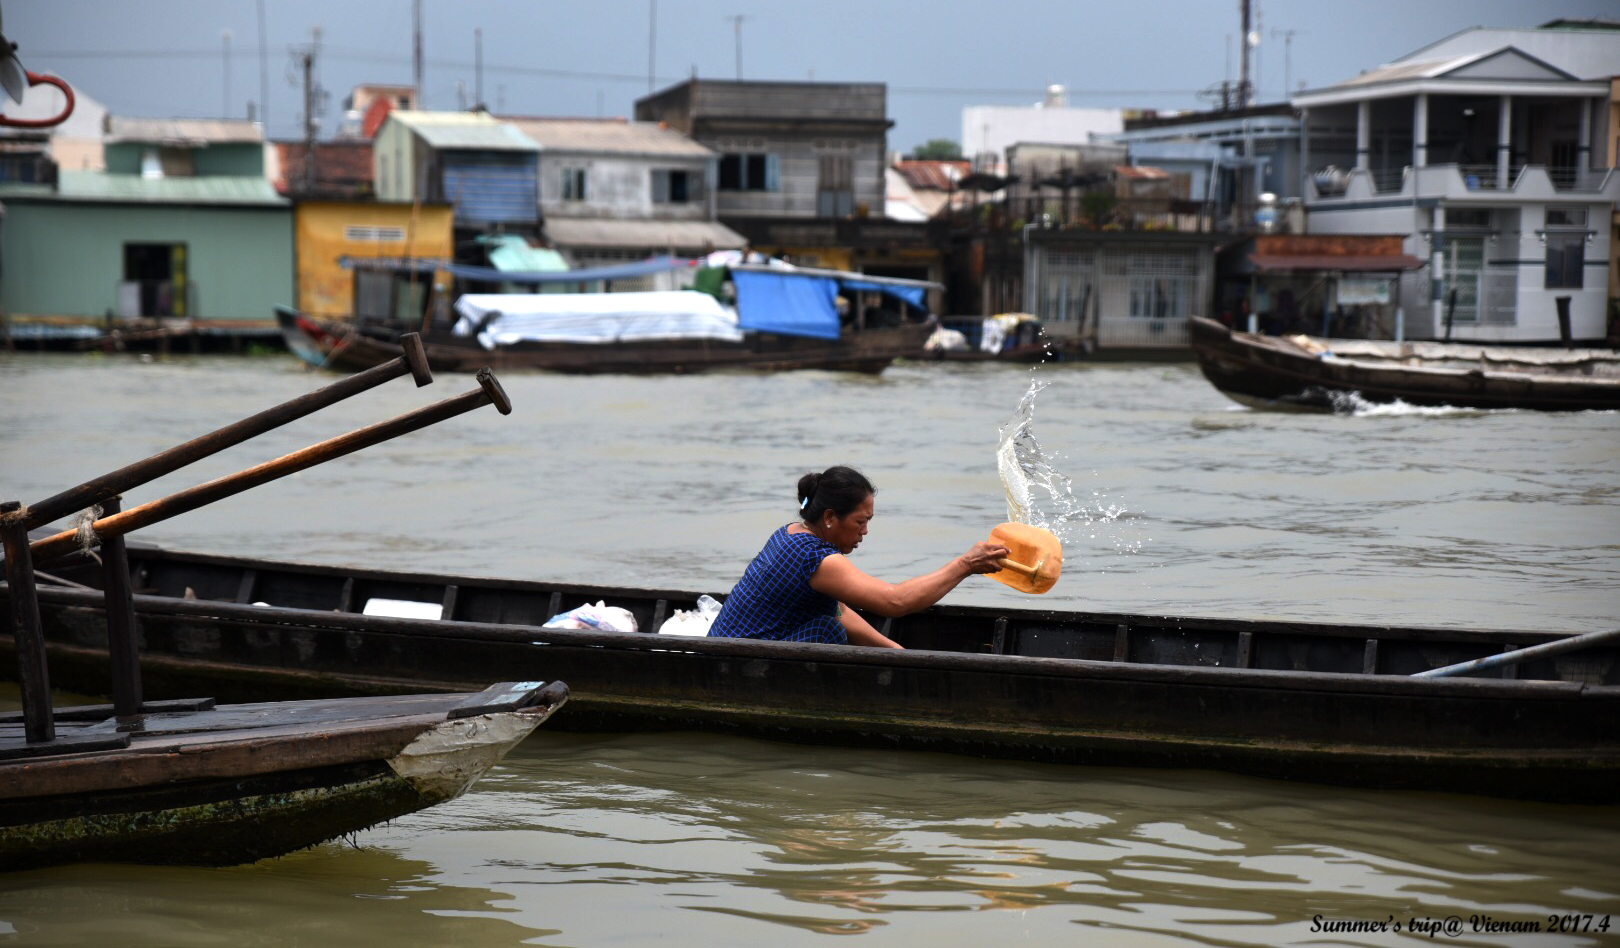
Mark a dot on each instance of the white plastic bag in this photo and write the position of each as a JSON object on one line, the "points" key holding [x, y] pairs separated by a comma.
{"points": [[692, 621], [601, 616]]}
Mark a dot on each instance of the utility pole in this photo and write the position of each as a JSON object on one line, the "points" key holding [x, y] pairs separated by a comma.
{"points": [[225, 38], [264, 75], [652, 43], [737, 22], [478, 68], [312, 94], [1244, 90], [416, 56]]}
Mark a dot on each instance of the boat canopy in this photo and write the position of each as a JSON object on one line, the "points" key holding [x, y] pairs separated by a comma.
{"points": [[802, 301], [501, 319]]}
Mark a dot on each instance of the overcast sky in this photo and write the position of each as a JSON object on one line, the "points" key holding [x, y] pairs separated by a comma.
{"points": [[167, 58]]}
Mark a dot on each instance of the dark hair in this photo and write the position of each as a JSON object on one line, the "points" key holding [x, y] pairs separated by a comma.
{"points": [[839, 489]]}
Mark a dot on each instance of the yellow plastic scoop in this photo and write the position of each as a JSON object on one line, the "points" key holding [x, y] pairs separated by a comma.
{"points": [[1035, 558]]}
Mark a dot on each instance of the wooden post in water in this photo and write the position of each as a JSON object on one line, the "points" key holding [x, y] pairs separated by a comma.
{"points": [[122, 648], [38, 725]]}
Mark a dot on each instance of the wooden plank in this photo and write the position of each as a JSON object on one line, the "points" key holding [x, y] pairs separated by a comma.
{"points": [[247, 591], [998, 636], [447, 608], [660, 610], [1245, 657], [346, 597], [1369, 659], [1122, 643]]}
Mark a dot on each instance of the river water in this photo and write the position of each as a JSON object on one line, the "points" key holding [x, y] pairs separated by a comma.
{"points": [[1186, 504]]}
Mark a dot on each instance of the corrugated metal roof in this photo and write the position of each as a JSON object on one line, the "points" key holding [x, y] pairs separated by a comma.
{"points": [[938, 175], [682, 235], [134, 189], [182, 131], [473, 131], [612, 135]]}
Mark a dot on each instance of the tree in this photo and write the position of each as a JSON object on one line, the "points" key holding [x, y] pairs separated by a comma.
{"points": [[938, 149]]}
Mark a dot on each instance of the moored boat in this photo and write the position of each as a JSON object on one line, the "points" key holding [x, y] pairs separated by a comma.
{"points": [[197, 784], [1308, 373], [785, 319], [1299, 700]]}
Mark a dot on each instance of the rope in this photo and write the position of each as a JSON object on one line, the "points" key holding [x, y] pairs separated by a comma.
{"points": [[84, 526]]}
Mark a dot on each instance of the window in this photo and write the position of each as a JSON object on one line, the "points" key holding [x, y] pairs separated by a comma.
{"points": [[573, 184], [1566, 258], [366, 233], [835, 186], [749, 172], [1566, 217], [673, 186]]}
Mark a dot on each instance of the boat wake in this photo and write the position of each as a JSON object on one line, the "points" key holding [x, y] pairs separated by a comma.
{"points": [[1351, 403]]}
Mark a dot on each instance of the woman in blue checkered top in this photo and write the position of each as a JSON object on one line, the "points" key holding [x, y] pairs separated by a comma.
{"points": [[801, 585]]}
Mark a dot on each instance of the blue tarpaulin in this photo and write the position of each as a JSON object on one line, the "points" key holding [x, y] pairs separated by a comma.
{"points": [[911, 294], [786, 303]]}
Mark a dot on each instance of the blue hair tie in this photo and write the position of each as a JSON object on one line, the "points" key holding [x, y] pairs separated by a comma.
{"points": [[804, 503]]}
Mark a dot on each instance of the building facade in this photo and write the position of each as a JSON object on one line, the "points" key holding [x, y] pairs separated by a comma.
{"points": [[486, 169], [1491, 150]]}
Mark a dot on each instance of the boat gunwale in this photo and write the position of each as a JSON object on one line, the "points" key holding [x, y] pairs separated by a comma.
{"points": [[1021, 665]]}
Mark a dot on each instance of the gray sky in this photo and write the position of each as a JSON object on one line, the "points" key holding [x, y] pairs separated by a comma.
{"points": [[166, 58]]}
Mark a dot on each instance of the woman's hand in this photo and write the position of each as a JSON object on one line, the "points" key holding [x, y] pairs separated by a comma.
{"points": [[985, 557]]}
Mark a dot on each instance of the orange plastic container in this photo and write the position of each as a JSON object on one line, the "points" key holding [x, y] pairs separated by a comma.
{"points": [[1035, 560]]}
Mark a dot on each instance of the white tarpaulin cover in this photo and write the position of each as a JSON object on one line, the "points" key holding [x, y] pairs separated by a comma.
{"points": [[594, 317]]}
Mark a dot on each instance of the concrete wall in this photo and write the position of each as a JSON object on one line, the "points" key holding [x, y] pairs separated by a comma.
{"points": [[240, 159], [65, 259], [621, 187], [800, 171], [327, 231]]}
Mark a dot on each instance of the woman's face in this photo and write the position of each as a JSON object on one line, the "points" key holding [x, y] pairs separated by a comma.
{"points": [[845, 533]]}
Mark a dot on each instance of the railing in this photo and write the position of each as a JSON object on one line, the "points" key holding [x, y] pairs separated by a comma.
{"points": [[1388, 180], [1577, 179]]}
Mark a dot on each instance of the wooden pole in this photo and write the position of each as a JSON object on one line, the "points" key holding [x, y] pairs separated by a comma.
{"points": [[1518, 655], [90, 492], [38, 724], [489, 392], [122, 649]]}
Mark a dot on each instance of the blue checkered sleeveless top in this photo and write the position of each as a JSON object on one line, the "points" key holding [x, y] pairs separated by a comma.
{"points": [[773, 600]]}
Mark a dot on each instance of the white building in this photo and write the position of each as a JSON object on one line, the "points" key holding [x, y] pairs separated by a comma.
{"points": [[989, 130], [1489, 149]]}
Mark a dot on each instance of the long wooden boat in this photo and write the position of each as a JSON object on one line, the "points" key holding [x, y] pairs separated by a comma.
{"points": [[1304, 372], [1299, 700], [348, 346], [198, 784]]}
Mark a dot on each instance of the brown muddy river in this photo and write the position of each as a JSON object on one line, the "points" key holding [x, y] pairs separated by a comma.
{"points": [[1187, 505]]}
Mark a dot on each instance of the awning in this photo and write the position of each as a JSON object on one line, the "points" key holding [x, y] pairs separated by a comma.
{"points": [[787, 303], [623, 271], [581, 233], [511, 253], [1357, 263]]}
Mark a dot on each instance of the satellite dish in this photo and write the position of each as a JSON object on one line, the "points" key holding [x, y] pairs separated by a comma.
{"points": [[13, 77]]}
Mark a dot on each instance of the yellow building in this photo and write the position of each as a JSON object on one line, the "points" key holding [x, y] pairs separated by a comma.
{"points": [[327, 231]]}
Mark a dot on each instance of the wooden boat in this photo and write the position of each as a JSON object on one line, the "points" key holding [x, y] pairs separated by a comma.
{"points": [[781, 323], [346, 346], [1304, 372], [1298, 700], [192, 783]]}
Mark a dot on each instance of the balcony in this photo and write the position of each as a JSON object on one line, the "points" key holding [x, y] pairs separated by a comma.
{"points": [[1461, 183]]}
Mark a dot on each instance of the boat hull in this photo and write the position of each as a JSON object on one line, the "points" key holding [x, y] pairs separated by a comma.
{"points": [[1292, 700], [340, 346], [1272, 372], [235, 784]]}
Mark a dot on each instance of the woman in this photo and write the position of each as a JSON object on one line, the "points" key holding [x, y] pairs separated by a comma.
{"points": [[801, 585]]}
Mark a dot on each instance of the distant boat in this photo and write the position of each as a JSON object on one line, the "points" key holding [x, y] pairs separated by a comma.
{"points": [[190, 783], [1304, 372], [785, 319]]}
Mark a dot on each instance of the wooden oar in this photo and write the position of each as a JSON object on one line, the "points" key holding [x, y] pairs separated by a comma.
{"points": [[1034, 558]]}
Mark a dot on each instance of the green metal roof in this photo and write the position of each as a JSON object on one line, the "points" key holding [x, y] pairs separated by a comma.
{"points": [[134, 189], [470, 131]]}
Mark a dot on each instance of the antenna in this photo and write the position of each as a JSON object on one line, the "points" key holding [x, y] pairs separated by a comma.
{"points": [[737, 22], [652, 42], [1288, 58], [264, 75], [416, 56], [478, 68]]}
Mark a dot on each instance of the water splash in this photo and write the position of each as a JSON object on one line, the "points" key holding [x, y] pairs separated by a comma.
{"points": [[1041, 495]]}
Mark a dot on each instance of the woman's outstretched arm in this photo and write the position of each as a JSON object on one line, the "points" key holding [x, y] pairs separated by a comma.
{"points": [[843, 580]]}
